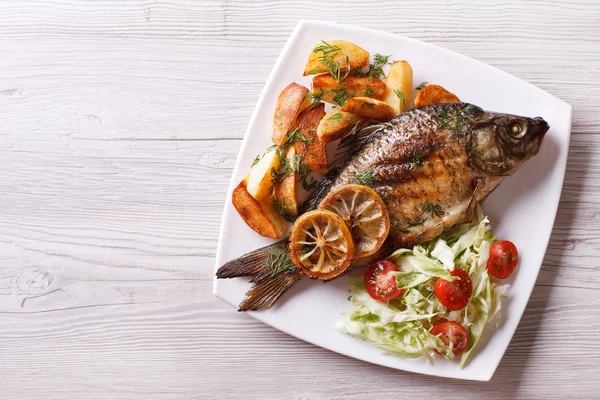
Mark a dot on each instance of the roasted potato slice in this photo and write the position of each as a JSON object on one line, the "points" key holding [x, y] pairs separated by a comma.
{"points": [[337, 124], [399, 82], [345, 54], [313, 151], [291, 101], [352, 86], [259, 181], [258, 215], [368, 108], [434, 94], [285, 191]]}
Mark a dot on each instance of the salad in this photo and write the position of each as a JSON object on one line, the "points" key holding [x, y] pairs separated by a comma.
{"points": [[436, 298]]}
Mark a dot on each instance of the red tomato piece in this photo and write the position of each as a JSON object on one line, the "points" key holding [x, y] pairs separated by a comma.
{"points": [[456, 294], [503, 259], [452, 332], [379, 283]]}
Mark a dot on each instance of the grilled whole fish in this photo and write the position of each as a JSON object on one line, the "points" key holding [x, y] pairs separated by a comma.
{"points": [[431, 166]]}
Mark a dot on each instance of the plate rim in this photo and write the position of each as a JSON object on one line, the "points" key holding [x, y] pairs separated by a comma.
{"points": [[300, 26]]}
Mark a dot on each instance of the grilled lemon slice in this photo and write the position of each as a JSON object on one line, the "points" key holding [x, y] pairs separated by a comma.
{"points": [[321, 244], [364, 212]]}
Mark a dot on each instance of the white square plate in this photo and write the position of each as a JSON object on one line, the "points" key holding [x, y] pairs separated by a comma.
{"points": [[522, 209]]}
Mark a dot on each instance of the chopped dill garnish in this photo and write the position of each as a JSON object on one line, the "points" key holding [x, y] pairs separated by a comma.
{"points": [[368, 91], [335, 116], [326, 48], [454, 122], [432, 209], [316, 97], [279, 206], [279, 260], [367, 104], [355, 128], [376, 69], [342, 95], [422, 85], [400, 95], [365, 178], [256, 160], [294, 136], [417, 159]]}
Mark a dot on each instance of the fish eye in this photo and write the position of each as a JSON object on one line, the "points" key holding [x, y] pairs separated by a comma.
{"points": [[517, 129]]}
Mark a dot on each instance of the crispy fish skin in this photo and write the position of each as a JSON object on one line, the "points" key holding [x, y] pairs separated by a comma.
{"points": [[431, 166]]}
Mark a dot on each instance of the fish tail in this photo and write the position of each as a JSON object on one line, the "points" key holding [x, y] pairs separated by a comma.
{"points": [[272, 272]]}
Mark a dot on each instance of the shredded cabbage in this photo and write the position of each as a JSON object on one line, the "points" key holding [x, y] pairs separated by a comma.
{"points": [[402, 326]]}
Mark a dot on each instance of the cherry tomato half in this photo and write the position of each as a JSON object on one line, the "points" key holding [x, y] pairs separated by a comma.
{"points": [[452, 332], [503, 259], [454, 295], [379, 283]]}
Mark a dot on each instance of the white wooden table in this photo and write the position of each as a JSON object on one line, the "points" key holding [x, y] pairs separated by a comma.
{"points": [[119, 126]]}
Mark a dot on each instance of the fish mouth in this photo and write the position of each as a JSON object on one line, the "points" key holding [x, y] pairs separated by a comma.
{"points": [[538, 126], [536, 131]]}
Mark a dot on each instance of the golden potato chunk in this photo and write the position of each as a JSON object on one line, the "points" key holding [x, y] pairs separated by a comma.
{"points": [[258, 215], [399, 82], [313, 151], [434, 94], [368, 108], [259, 181], [336, 124], [291, 101], [285, 191], [341, 53], [352, 86]]}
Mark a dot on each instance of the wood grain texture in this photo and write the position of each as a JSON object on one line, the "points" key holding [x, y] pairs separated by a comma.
{"points": [[120, 125]]}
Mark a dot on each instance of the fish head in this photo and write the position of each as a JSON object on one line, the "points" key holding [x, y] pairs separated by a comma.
{"points": [[500, 143]]}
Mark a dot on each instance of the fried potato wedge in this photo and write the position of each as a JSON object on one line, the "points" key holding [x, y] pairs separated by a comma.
{"points": [[285, 191], [434, 94], [399, 83], [368, 108], [346, 54], [259, 181], [336, 124], [313, 151], [351, 86], [291, 101], [258, 215]]}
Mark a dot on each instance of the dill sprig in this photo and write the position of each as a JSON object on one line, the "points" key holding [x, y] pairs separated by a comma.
{"points": [[294, 136], [417, 159], [342, 95], [376, 69], [366, 177], [454, 121], [326, 48], [400, 95], [368, 91], [421, 85], [335, 116], [367, 104], [432, 208], [279, 206], [316, 97], [260, 156], [279, 260], [355, 128]]}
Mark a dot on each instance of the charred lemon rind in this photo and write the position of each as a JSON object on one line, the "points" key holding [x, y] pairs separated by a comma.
{"points": [[321, 244]]}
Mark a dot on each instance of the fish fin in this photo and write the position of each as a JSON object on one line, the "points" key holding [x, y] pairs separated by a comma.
{"points": [[264, 293], [347, 148], [255, 264], [472, 201], [272, 272]]}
